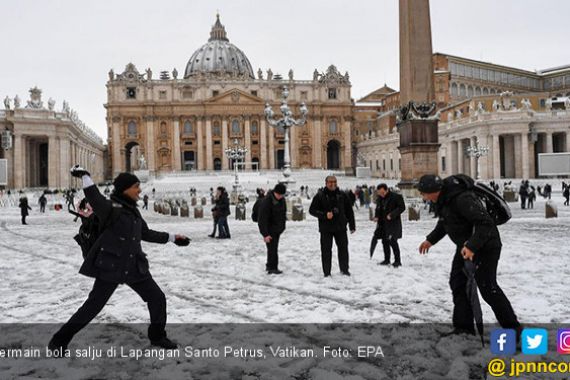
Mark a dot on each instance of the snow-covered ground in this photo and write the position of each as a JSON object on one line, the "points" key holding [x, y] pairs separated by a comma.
{"points": [[224, 280]]}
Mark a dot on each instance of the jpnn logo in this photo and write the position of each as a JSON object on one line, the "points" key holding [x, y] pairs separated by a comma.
{"points": [[534, 341], [504, 342]]}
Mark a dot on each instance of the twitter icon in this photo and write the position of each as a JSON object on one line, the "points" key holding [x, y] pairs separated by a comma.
{"points": [[534, 341]]}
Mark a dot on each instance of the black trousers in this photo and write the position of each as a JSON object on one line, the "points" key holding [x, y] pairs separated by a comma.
{"points": [[102, 290], [386, 245], [341, 240], [24, 219], [486, 278], [272, 254]]}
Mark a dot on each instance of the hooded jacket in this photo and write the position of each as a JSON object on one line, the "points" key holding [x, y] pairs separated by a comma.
{"points": [[117, 255], [463, 217]]}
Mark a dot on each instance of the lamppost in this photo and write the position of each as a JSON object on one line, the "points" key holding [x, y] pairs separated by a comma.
{"points": [[286, 122], [236, 154], [477, 151]]}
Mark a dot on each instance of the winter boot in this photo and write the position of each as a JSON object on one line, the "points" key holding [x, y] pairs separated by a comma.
{"points": [[164, 342]]}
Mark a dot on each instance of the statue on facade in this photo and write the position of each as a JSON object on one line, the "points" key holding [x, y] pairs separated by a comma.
{"points": [[7, 102], [526, 105], [16, 102], [142, 162], [148, 74], [51, 104], [175, 73], [480, 107], [458, 114], [567, 103], [65, 107], [290, 74], [269, 74], [259, 74], [315, 75], [111, 74], [346, 76], [471, 107], [496, 105]]}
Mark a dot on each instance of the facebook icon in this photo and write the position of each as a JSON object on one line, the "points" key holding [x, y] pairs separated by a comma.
{"points": [[503, 342]]}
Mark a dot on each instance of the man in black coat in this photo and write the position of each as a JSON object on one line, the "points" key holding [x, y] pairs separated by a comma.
{"points": [[463, 217], [389, 207], [222, 211], [272, 216], [117, 258], [333, 209]]}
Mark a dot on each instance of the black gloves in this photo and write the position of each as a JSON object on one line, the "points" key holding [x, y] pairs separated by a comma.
{"points": [[182, 242], [78, 172]]}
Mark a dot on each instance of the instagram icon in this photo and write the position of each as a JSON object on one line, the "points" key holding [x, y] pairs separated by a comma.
{"points": [[563, 341]]}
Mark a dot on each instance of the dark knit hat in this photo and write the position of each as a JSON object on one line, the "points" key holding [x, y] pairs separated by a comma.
{"points": [[280, 189], [430, 183], [123, 181]]}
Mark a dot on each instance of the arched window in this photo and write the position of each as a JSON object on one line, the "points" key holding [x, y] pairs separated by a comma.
{"points": [[477, 91], [462, 90], [235, 128], [333, 127], [485, 91], [187, 127], [132, 128], [470, 91], [254, 128], [163, 128], [454, 89], [217, 130]]}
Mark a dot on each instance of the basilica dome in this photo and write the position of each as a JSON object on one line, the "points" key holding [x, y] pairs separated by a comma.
{"points": [[219, 57]]}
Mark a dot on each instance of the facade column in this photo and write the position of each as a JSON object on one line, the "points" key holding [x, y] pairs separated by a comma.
{"points": [[271, 152], [496, 151], [484, 161], [177, 160], [460, 157], [263, 138], [567, 141], [247, 143], [524, 154], [347, 159], [225, 160], [64, 163], [549, 142], [19, 168], [150, 153], [53, 158], [317, 144], [517, 164], [117, 160], [449, 158], [293, 146], [472, 160], [200, 142], [209, 158]]}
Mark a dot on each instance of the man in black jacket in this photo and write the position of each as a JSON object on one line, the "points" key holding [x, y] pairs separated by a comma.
{"points": [[389, 207], [333, 209], [117, 258], [469, 225], [271, 222]]}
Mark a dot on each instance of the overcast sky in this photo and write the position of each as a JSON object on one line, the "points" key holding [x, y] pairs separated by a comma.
{"points": [[66, 47]]}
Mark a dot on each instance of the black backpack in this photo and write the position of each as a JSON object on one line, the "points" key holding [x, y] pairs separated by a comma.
{"points": [[255, 210], [90, 230], [496, 206]]}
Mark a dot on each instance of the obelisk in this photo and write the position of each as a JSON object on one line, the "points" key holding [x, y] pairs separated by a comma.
{"points": [[417, 119]]}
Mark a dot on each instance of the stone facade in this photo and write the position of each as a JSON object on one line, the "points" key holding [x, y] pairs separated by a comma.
{"points": [[186, 124], [45, 143], [516, 113]]}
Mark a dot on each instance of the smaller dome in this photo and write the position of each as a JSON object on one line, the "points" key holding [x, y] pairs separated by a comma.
{"points": [[219, 56]]}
